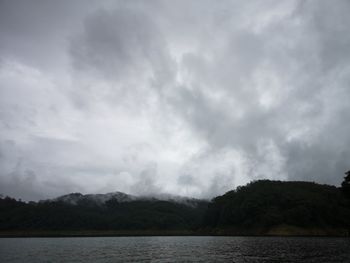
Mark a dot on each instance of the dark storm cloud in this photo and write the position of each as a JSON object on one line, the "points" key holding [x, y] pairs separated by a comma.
{"points": [[34, 32], [184, 97], [116, 44]]}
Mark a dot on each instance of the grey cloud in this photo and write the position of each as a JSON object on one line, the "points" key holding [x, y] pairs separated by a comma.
{"points": [[304, 107], [183, 97], [119, 43], [146, 181], [124, 49], [36, 32]]}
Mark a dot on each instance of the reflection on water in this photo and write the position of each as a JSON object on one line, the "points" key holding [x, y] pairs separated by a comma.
{"points": [[175, 249]]}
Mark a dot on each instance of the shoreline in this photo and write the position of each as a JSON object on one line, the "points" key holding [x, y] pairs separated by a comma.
{"points": [[148, 233]]}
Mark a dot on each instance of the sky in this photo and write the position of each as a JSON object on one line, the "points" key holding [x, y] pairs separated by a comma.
{"points": [[190, 98]]}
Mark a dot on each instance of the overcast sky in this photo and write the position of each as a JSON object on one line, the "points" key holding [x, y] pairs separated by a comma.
{"points": [[183, 97]]}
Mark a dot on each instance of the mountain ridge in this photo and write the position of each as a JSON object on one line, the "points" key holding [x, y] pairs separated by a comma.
{"points": [[101, 199], [261, 207]]}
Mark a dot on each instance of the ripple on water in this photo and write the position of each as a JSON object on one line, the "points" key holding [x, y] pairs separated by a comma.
{"points": [[175, 249]]}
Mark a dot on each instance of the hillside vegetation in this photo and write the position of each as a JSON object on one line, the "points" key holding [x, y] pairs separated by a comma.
{"points": [[261, 205], [258, 208], [113, 215]]}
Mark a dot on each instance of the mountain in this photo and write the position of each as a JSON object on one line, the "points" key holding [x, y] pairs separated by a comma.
{"points": [[103, 212], [259, 208], [97, 199], [101, 199], [264, 206]]}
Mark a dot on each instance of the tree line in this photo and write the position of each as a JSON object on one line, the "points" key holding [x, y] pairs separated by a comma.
{"points": [[258, 205]]}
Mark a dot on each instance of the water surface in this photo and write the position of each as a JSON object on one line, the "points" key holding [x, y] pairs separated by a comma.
{"points": [[175, 249]]}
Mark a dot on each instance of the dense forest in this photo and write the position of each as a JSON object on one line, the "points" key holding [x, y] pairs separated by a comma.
{"points": [[261, 205], [255, 208], [112, 215]]}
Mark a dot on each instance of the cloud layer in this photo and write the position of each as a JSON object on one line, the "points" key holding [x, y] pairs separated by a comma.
{"points": [[181, 97]]}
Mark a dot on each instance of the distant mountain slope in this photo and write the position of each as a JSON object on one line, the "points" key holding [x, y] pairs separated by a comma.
{"points": [[258, 208], [101, 199], [98, 199], [112, 211], [265, 204]]}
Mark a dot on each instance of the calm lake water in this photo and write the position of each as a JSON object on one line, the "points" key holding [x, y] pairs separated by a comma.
{"points": [[175, 249]]}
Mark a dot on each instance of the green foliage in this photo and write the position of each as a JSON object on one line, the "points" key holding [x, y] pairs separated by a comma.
{"points": [[345, 186], [258, 205], [135, 215], [269, 203]]}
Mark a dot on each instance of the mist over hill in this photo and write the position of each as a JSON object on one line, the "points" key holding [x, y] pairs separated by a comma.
{"points": [[258, 208], [102, 199], [111, 211]]}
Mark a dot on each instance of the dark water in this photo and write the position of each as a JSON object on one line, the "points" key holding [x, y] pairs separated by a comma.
{"points": [[175, 249]]}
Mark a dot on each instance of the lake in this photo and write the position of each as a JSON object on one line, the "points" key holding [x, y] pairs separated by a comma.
{"points": [[175, 249]]}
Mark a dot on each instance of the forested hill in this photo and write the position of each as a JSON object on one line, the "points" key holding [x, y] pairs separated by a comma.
{"points": [[114, 211], [259, 208], [264, 206]]}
